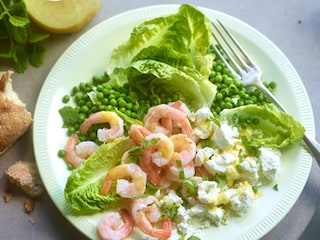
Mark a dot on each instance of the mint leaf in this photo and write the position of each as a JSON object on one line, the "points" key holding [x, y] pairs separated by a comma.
{"points": [[36, 54], [37, 37], [18, 46], [69, 116], [19, 21], [20, 59], [19, 34]]}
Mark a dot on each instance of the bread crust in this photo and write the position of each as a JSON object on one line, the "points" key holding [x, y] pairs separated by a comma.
{"points": [[15, 119]]}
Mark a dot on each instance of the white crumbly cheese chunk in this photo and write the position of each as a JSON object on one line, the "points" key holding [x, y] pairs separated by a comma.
{"points": [[219, 163], [243, 199], [203, 126], [172, 198], [182, 219], [225, 136], [203, 155], [215, 214], [270, 163], [208, 192], [249, 170]]}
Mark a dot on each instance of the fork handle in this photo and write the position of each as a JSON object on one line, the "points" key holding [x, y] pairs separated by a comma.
{"points": [[312, 144]]}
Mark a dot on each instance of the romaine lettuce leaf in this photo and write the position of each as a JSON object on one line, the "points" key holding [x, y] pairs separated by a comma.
{"points": [[201, 38], [194, 89], [181, 39], [82, 191], [264, 125]]}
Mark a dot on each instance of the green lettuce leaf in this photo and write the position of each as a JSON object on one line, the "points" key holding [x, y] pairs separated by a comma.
{"points": [[82, 191], [181, 39], [264, 125], [194, 89], [201, 38]]}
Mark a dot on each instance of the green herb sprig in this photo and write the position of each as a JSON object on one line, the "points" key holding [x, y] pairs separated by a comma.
{"points": [[20, 45]]}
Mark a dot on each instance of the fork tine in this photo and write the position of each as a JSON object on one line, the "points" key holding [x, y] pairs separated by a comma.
{"points": [[238, 69], [237, 44]]}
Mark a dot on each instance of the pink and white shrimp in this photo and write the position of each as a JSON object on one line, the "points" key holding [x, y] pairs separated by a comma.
{"points": [[162, 150], [156, 156], [137, 133], [77, 153], [180, 106], [156, 114], [125, 188], [173, 171], [104, 134], [174, 127], [113, 226], [146, 215], [185, 149]]}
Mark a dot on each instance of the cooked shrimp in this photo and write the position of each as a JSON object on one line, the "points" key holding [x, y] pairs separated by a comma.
{"points": [[155, 156], [104, 134], [124, 187], [173, 171], [152, 170], [184, 148], [113, 226], [156, 114], [77, 153], [180, 106], [86, 148], [137, 133], [162, 150], [146, 214], [172, 126]]}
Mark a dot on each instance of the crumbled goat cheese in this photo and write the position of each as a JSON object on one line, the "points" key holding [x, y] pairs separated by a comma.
{"points": [[215, 214], [243, 199], [270, 162], [225, 136], [203, 126], [208, 192], [203, 155], [219, 163], [249, 170], [172, 198]]}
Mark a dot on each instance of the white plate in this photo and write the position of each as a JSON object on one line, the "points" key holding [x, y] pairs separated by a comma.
{"points": [[89, 55]]}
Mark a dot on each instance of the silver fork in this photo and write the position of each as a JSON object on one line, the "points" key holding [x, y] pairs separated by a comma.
{"points": [[244, 68]]}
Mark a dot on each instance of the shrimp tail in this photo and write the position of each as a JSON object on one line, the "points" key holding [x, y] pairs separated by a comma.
{"points": [[106, 185], [128, 222], [166, 230]]}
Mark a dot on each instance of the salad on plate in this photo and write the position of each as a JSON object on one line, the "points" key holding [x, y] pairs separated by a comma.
{"points": [[167, 142]]}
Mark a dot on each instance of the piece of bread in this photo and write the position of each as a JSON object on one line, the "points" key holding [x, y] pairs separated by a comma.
{"points": [[59, 16], [25, 175], [14, 117]]}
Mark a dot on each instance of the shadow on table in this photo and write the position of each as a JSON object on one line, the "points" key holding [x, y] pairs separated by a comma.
{"points": [[312, 231]]}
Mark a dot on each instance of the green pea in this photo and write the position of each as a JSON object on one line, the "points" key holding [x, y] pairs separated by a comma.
{"points": [[272, 85], [218, 78], [84, 109], [219, 96], [135, 108], [99, 95], [109, 108], [228, 105], [61, 153], [129, 105], [122, 102], [65, 98], [113, 102]]}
